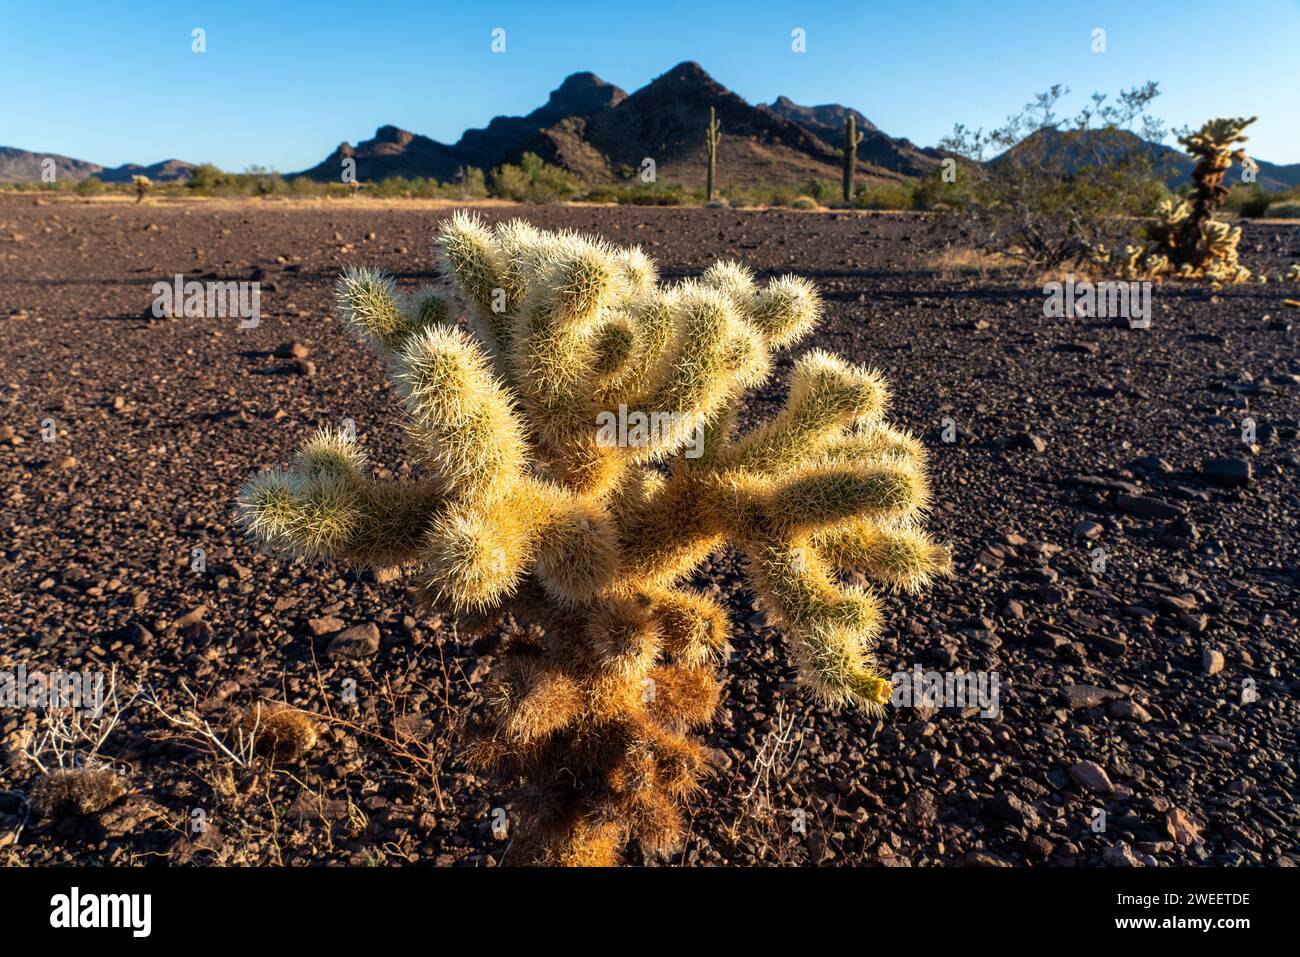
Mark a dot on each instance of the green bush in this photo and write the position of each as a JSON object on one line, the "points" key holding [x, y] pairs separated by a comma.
{"points": [[1248, 200], [90, 186], [1059, 189], [822, 190], [883, 196], [533, 181]]}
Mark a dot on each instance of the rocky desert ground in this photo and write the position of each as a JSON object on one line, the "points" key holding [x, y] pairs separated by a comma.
{"points": [[1126, 557]]}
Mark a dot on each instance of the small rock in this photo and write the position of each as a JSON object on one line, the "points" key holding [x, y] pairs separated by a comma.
{"points": [[325, 625], [1088, 530], [1211, 661], [291, 350], [1088, 696], [303, 367], [1008, 807], [1091, 777], [984, 859], [1029, 441], [921, 807], [192, 616], [1119, 855], [1181, 827], [1227, 473], [1145, 506], [1128, 711], [359, 641]]}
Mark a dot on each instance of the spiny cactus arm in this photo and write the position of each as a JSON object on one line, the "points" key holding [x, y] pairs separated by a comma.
{"points": [[334, 516], [473, 266], [826, 396], [714, 355], [556, 339], [873, 444], [481, 548], [532, 700], [682, 696], [813, 497], [783, 311], [461, 418], [903, 557], [650, 324], [666, 532], [832, 628], [369, 303], [695, 629]]}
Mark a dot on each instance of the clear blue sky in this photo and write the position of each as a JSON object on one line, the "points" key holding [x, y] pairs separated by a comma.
{"points": [[281, 84]]}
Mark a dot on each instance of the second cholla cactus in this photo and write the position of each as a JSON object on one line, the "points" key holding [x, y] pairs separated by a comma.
{"points": [[1186, 240], [530, 502]]}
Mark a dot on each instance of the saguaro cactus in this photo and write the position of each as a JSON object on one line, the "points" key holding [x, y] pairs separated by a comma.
{"points": [[531, 502], [712, 136], [851, 140]]}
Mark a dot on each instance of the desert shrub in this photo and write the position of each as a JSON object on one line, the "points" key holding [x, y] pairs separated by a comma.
{"points": [[301, 186], [883, 196], [469, 184], [1057, 189], [543, 497], [90, 186], [932, 193], [1248, 200], [1284, 211], [533, 181], [823, 191], [206, 178], [262, 181], [641, 194], [804, 202]]}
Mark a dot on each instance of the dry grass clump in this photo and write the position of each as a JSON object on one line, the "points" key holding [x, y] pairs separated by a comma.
{"points": [[77, 791], [278, 732]]}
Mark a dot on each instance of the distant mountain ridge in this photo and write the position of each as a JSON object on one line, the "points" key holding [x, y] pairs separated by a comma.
{"points": [[1173, 164], [22, 166], [600, 133]]}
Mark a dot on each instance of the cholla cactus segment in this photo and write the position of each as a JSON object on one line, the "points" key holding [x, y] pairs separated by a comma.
{"points": [[580, 459], [370, 304]]}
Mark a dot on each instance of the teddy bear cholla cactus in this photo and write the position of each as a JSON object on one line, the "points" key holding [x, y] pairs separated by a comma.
{"points": [[1186, 240], [524, 505]]}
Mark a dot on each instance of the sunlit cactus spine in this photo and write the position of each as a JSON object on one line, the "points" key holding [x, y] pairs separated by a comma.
{"points": [[712, 137], [526, 504], [852, 138]]}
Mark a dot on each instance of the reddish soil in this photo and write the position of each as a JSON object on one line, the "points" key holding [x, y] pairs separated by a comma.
{"points": [[1112, 692]]}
